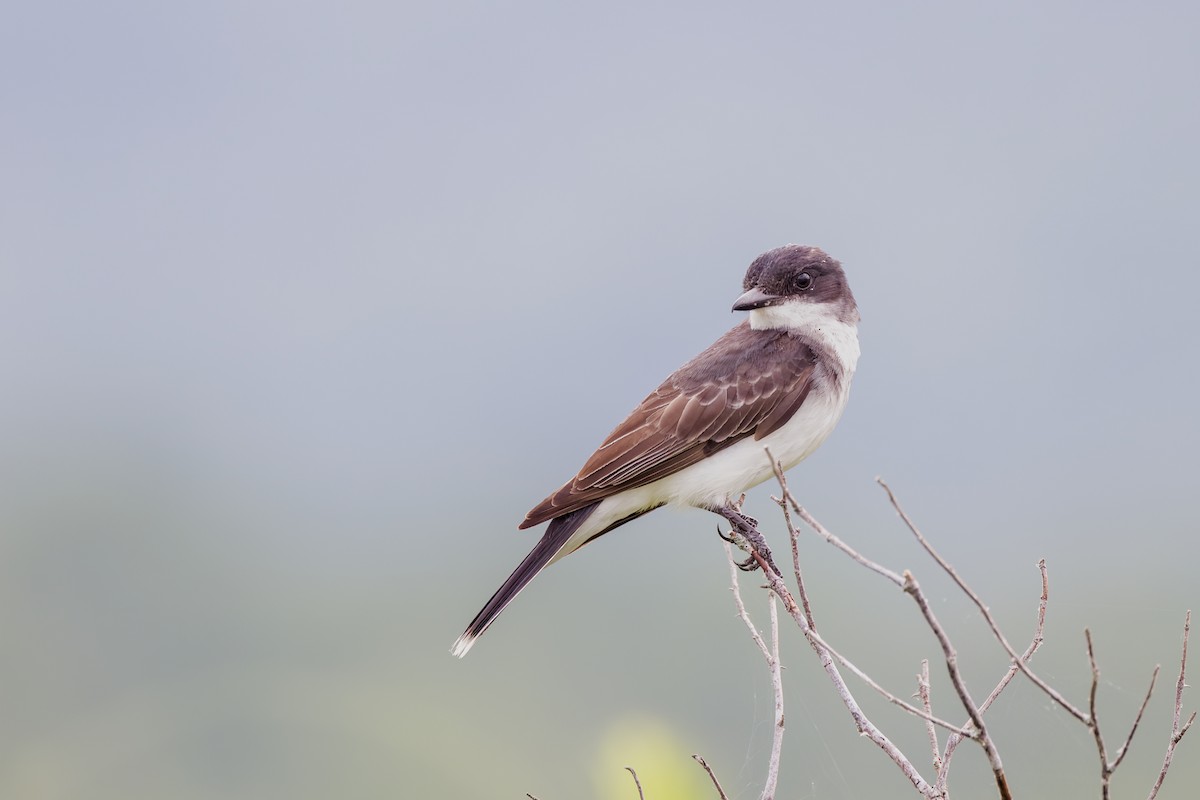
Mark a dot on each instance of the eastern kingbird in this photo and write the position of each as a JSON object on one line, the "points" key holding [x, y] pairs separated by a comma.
{"points": [[780, 379]]}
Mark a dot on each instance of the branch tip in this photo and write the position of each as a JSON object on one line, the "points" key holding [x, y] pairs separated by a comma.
{"points": [[636, 783], [716, 784]]}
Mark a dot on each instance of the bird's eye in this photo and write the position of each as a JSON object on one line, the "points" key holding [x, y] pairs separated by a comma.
{"points": [[805, 281]]}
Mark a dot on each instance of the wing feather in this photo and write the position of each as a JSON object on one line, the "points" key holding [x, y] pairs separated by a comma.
{"points": [[749, 383]]}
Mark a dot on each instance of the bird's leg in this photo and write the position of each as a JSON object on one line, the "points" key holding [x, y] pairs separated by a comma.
{"points": [[747, 528]]}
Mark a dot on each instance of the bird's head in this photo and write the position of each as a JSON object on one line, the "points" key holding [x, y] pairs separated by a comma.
{"points": [[795, 287]]}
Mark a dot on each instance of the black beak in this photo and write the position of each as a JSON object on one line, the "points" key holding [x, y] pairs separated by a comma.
{"points": [[756, 298]]}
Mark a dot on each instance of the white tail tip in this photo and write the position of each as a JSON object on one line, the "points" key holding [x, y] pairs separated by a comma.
{"points": [[462, 645]]}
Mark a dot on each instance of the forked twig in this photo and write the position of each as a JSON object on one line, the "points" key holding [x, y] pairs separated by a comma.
{"points": [[976, 727], [1089, 719], [820, 530], [861, 721], [873, 684], [1124, 748], [1105, 768], [1177, 731], [952, 742], [794, 536], [908, 583], [771, 654], [912, 588], [1053, 693]]}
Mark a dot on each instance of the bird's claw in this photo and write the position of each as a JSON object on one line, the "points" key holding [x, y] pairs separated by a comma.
{"points": [[751, 563], [745, 535]]}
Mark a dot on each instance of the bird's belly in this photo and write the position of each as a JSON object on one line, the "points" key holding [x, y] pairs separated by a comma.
{"points": [[726, 473], [744, 464]]}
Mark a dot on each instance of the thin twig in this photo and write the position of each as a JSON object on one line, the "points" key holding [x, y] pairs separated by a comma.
{"points": [[1033, 645], [861, 722], [1181, 684], [1019, 663], [820, 530], [1053, 693], [793, 534], [741, 606], [796, 566], [930, 730], [963, 731], [952, 742], [1177, 731], [869, 681], [1105, 769], [636, 783], [720, 792], [769, 788], [1136, 720], [912, 588], [811, 521], [772, 656]]}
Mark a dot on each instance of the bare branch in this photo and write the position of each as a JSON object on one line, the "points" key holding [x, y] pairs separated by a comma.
{"points": [[793, 534], [789, 499], [952, 742], [820, 530], [720, 792], [772, 656], [636, 783], [923, 693], [976, 727], [1181, 684], [1177, 731], [1033, 645], [965, 732], [989, 747], [1105, 769], [1136, 720], [741, 607], [861, 722], [1053, 693], [864, 677], [777, 684]]}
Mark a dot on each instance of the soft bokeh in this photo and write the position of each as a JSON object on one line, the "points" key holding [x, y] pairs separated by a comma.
{"points": [[302, 306], [655, 749]]}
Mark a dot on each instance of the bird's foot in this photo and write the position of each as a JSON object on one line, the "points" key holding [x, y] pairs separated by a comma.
{"points": [[747, 528], [738, 539]]}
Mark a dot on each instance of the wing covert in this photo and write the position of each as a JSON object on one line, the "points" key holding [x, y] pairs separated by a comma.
{"points": [[747, 383]]}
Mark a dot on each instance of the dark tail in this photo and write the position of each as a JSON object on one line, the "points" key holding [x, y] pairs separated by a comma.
{"points": [[560, 530]]}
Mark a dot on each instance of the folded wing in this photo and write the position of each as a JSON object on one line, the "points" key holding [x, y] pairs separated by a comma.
{"points": [[748, 383]]}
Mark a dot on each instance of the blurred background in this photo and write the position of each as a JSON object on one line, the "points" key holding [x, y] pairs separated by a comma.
{"points": [[303, 306]]}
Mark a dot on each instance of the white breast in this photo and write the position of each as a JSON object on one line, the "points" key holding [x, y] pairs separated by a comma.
{"points": [[817, 322]]}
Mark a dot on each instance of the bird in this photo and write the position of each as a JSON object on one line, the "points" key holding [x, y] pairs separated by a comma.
{"points": [[779, 380]]}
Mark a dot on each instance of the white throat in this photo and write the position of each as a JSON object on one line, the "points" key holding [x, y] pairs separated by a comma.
{"points": [[816, 321]]}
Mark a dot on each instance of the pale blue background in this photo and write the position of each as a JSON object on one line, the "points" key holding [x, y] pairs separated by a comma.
{"points": [[303, 305]]}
